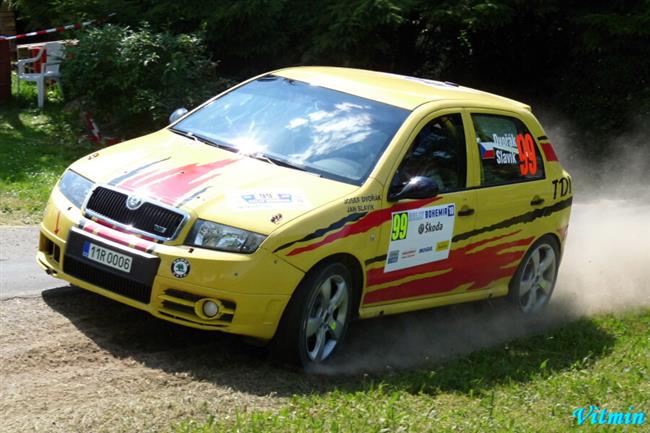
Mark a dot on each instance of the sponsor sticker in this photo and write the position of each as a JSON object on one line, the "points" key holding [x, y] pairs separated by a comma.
{"points": [[393, 256], [268, 199], [421, 235], [408, 253], [180, 268], [442, 246]]}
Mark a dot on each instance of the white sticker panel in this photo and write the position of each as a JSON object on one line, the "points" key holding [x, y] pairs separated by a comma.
{"points": [[268, 199], [420, 236]]}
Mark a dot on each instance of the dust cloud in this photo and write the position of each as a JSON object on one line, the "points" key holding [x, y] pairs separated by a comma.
{"points": [[605, 268], [619, 170]]}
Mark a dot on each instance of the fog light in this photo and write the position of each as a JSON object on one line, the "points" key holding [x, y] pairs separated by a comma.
{"points": [[210, 309]]}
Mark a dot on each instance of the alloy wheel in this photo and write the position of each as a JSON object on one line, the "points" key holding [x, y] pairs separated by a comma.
{"points": [[537, 279], [326, 318]]}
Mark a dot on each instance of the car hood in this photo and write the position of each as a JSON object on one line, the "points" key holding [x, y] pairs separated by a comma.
{"points": [[209, 182]]}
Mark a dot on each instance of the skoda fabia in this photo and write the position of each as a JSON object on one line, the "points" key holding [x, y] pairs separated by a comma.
{"points": [[304, 198]]}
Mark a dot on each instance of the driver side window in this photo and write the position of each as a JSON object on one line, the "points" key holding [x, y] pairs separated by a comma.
{"points": [[438, 152]]}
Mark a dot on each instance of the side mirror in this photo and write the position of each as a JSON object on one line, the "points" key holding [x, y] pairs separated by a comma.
{"points": [[177, 114], [417, 187]]}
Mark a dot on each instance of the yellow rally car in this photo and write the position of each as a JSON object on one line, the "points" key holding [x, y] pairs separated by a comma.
{"points": [[303, 198]]}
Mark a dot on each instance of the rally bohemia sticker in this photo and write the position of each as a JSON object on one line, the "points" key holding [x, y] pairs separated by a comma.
{"points": [[420, 236]]}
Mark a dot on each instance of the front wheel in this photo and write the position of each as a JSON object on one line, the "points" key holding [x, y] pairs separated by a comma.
{"points": [[316, 319], [534, 281]]}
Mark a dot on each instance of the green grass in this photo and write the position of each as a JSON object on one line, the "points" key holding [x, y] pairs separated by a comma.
{"points": [[529, 385], [35, 147]]}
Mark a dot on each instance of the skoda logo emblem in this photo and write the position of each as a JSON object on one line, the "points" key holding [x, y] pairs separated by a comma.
{"points": [[180, 268], [133, 202]]}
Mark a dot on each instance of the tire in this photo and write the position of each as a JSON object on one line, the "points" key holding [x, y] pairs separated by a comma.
{"points": [[533, 283], [316, 320]]}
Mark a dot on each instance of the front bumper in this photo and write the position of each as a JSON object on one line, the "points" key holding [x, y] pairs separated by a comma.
{"points": [[250, 290]]}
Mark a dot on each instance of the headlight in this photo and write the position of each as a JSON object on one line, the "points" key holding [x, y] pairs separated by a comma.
{"points": [[206, 234], [74, 187]]}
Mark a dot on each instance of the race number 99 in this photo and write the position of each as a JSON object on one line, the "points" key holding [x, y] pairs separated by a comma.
{"points": [[400, 226], [527, 156]]}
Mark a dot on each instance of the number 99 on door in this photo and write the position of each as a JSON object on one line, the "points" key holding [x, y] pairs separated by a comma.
{"points": [[400, 226]]}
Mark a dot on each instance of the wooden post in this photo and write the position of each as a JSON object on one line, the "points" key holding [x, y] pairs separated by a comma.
{"points": [[5, 71], [7, 19]]}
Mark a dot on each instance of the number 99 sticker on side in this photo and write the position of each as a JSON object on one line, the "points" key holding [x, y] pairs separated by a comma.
{"points": [[420, 236]]}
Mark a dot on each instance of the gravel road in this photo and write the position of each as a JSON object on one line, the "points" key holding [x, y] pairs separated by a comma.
{"points": [[19, 273]]}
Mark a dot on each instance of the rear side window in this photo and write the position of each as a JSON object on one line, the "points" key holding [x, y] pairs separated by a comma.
{"points": [[508, 150]]}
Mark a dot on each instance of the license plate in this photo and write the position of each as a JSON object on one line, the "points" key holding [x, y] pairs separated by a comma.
{"points": [[107, 257]]}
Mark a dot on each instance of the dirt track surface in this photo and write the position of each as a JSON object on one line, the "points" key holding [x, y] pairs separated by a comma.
{"points": [[72, 361]]}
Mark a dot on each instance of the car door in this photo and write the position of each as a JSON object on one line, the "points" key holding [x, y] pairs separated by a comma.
{"points": [[417, 257], [509, 196]]}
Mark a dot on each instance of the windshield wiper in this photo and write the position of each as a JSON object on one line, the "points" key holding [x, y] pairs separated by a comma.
{"points": [[201, 139], [261, 157], [279, 161]]}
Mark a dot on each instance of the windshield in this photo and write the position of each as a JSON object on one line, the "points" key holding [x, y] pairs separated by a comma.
{"points": [[323, 131]]}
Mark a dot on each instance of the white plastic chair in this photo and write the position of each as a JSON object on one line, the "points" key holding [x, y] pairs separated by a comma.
{"points": [[49, 70]]}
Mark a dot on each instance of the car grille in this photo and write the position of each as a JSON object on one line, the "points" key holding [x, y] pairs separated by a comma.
{"points": [[158, 221], [107, 280]]}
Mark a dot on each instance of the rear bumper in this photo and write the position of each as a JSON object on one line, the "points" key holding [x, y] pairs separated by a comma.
{"points": [[250, 290]]}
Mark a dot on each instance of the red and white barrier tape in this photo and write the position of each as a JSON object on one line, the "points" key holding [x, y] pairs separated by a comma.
{"points": [[95, 136], [56, 29]]}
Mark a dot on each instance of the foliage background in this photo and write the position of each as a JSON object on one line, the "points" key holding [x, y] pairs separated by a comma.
{"points": [[131, 79], [589, 60]]}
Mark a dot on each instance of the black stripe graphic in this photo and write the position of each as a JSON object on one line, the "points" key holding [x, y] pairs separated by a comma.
{"points": [[125, 176], [375, 260], [321, 232], [524, 218], [191, 197], [542, 137]]}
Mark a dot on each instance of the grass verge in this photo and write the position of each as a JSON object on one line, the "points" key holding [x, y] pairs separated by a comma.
{"points": [[36, 145], [529, 385]]}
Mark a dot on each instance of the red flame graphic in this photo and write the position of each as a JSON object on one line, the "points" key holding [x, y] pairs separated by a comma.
{"points": [[172, 184], [462, 267]]}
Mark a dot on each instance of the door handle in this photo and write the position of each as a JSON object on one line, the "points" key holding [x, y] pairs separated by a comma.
{"points": [[465, 211], [536, 201]]}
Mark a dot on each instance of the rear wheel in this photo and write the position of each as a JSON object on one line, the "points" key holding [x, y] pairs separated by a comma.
{"points": [[534, 281], [315, 322]]}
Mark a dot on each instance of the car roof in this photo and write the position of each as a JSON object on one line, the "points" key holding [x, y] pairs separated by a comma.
{"points": [[399, 90]]}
